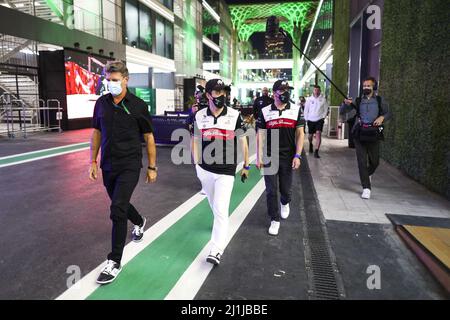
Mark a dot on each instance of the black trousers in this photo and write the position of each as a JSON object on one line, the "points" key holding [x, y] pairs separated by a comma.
{"points": [[120, 186], [282, 180], [368, 155], [351, 123]]}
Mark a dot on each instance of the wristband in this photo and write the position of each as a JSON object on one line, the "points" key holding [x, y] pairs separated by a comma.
{"points": [[95, 161], [152, 168], [298, 156], [247, 167]]}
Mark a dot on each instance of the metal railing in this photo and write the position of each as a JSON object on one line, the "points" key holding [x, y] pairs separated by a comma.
{"points": [[16, 118], [64, 12]]}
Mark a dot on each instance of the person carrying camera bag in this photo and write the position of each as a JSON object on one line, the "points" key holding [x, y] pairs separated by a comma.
{"points": [[371, 113]]}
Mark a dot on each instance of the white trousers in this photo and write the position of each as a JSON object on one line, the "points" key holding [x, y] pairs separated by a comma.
{"points": [[218, 188]]}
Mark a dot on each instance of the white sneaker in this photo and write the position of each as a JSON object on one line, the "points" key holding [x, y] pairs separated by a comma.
{"points": [[274, 226], [284, 211], [366, 194]]}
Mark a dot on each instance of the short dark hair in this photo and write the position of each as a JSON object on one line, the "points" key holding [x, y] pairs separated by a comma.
{"points": [[117, 66], [318, 87], [371, 79]]}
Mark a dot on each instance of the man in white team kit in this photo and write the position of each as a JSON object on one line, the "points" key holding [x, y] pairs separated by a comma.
{"points": [[316, 109], [215, 132]]}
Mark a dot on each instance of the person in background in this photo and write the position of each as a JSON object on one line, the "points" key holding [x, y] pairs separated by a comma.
{"points": [[261, 102], [200, 103], [316, 109], [302, 102], [227, 89]]}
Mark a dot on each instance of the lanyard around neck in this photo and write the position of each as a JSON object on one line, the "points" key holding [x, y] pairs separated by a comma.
{"points": [[123, 106]]}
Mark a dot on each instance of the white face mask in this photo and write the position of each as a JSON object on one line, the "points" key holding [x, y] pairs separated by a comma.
{"points": [[115, 87]]}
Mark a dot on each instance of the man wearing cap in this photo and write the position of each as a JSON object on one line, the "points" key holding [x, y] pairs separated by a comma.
{"points": [[214, 149], [284, 120], [316, 109], [261, 102]]}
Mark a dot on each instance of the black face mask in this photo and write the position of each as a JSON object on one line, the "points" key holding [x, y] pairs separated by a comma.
{"points": [[367, 91], [284, 97], [219, 102]]}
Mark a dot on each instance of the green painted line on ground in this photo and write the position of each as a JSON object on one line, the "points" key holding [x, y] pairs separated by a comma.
{"points": [[43, 153], [156, 269]]}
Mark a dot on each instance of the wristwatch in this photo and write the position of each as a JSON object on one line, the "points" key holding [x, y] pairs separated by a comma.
{"points": [[152, 168], [247, 167], [298, 156]]}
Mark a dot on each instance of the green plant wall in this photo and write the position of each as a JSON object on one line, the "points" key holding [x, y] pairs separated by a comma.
{"points": [[341, 38], [415, 79]]}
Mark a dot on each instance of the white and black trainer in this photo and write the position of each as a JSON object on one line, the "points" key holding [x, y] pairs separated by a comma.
{"points": [[214, 259], [109, 272], [138, 231]]}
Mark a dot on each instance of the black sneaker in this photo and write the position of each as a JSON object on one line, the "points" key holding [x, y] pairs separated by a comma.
{"points": [[311, 148], [316, 154], [109, 272], [214, 259], [138, 231]]}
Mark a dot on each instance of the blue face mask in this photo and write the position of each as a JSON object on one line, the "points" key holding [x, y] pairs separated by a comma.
{"points": [[115, 87]]}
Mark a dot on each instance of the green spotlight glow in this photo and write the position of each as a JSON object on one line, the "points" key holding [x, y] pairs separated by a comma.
{"points": [[296, 14]]}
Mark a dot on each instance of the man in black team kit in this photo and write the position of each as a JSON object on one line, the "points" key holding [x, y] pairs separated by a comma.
{"points": [[286, 120], [120, 120], [261, 102], [214, 147]]}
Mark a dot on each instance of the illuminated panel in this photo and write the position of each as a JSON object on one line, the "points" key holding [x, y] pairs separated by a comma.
{"points": [[297, 14]]}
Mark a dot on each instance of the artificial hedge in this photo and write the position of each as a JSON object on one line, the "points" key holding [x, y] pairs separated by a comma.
{"points": [[341, 39], [415, 80]]}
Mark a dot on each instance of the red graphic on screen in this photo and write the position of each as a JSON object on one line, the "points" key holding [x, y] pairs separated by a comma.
{"points": [[80, 80]]}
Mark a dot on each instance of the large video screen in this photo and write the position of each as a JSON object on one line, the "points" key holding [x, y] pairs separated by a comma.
{"points": [[85, 82]]}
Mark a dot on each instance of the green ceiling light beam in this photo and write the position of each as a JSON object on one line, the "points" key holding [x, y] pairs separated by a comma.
{"points": [[241, 13], [296, 13], [246, 30], [326, 17], [288, 27], [190, 39], [297, 16], [57, 8]]}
